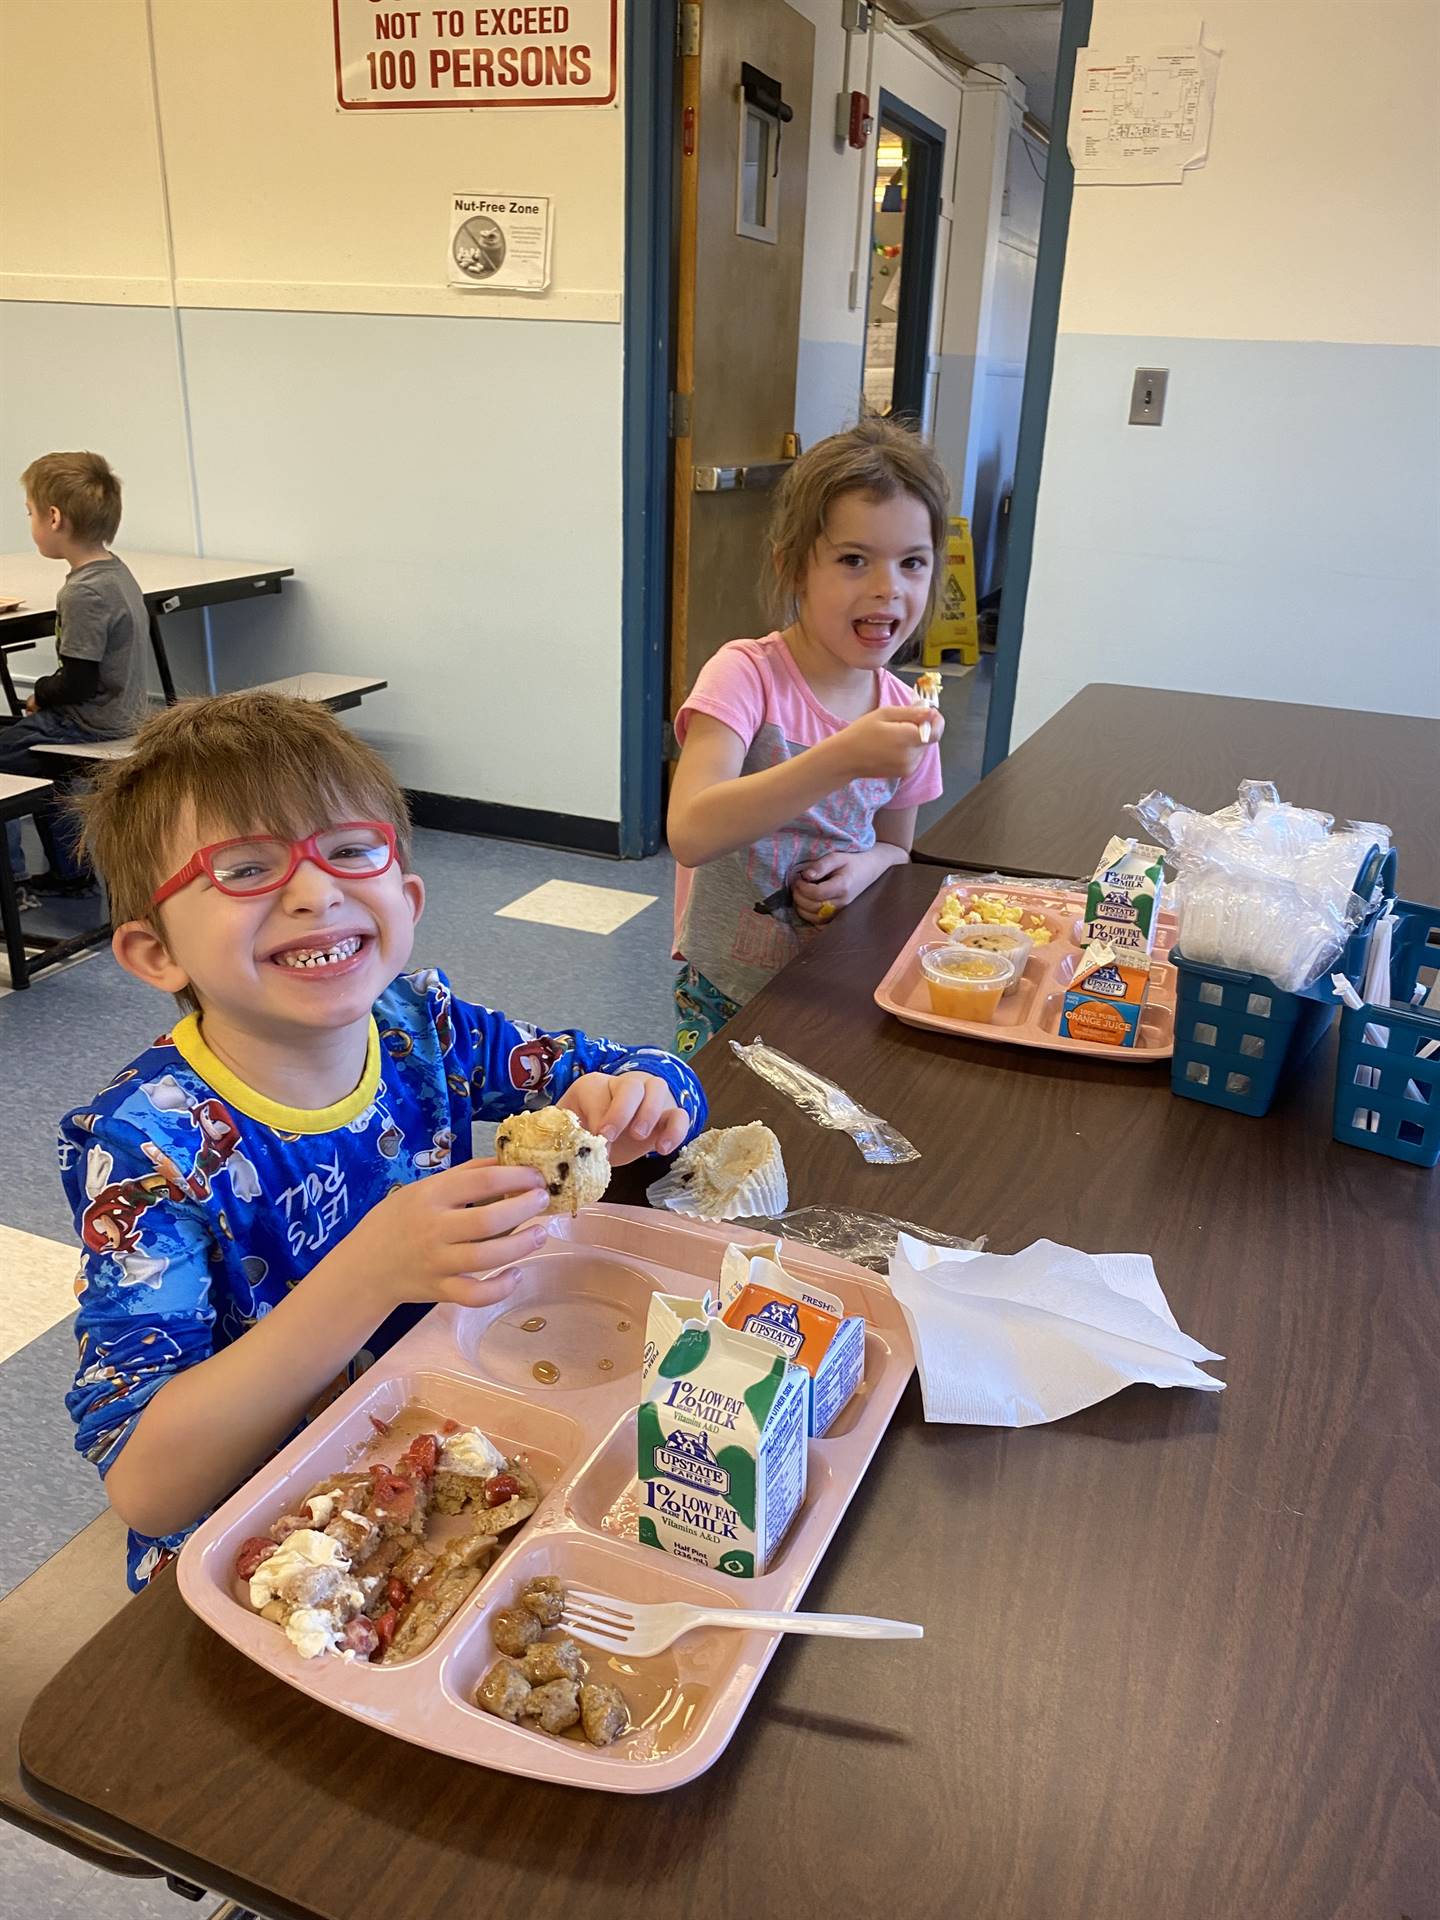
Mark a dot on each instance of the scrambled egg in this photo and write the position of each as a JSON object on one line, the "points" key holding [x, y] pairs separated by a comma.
{"points": [[991, 910]]}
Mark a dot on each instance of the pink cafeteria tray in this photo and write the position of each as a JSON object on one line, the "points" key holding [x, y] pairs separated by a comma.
{"points": [[1030, 1016], [475, 1366]]}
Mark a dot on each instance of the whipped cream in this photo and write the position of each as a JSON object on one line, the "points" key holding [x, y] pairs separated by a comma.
{"points": [[312, 1631], [321, 1507], [304, 1548], [470, 1452]]}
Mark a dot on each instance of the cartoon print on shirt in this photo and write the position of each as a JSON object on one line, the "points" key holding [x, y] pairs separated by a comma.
{"points": [[247, 1303], [436, 989], [533, 1061], [159, 1355], [221, 1149], [220, 1139], [111, 1222], [389, 1140], [152, 1560], [436, 1156]]}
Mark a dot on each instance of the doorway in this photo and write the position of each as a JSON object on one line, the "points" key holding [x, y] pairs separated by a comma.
{"points": [[904, 237], [718, 98]]}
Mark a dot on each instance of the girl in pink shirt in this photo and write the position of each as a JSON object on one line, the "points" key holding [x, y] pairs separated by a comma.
{"points": [[803, 759]]}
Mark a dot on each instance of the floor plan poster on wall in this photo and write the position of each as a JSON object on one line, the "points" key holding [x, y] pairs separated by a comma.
{"points": [[1141, 116], [474, 56]]}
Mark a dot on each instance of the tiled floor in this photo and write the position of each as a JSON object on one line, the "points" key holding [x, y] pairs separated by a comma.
{"points": [[562, 939]]}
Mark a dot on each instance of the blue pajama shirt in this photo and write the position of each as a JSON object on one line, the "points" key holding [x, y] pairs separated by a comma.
{"points": [[200, 1204]]}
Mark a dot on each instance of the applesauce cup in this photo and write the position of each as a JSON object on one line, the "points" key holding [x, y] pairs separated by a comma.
{"points": [[963, 982]]}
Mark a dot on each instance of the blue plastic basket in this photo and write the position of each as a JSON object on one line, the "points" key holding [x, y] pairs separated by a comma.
{"points": [[1387, 1083], [1237, 1034]]}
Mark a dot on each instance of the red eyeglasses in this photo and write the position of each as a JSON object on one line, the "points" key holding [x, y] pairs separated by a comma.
{"points": [[356, 850]]}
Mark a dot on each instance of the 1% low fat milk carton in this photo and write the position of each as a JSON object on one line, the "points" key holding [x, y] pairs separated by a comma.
{"points": [[803, 1321], [1122, 901], [722, 1439]]}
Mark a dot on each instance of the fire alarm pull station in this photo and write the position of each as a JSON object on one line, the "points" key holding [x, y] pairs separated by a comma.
{"points": [[853, 123]]}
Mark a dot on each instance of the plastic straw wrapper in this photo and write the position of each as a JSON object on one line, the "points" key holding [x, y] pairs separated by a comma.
{"points": [[828, 1105]]}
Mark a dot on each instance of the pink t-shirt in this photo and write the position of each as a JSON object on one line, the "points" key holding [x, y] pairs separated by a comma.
{"points": [[756, 689]]}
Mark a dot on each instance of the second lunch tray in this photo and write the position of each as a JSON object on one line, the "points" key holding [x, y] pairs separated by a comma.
{"points": [[590, 1289], [1030, 1016]]}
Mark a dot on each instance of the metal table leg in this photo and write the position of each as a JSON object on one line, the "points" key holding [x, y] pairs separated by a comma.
{"points": [[10, 923]]}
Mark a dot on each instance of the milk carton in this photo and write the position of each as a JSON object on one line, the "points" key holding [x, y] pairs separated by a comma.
{"points": [[722, 1424], [1105, 998], [1124, 897], [807, 1324]]}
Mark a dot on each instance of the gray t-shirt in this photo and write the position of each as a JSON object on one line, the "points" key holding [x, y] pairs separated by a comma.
{"points": [[100, 615]]}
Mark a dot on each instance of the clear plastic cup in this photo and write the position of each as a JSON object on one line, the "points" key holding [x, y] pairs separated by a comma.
{"points": [[964, 983], [1013, 942]]}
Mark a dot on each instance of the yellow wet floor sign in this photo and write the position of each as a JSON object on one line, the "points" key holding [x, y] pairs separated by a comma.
{"points": [[954, 626]]}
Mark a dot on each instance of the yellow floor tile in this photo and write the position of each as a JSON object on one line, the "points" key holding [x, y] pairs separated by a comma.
{"points": [[37, 1287], [566, 903]]}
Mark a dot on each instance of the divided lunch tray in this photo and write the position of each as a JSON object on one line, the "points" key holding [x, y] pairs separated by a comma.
{"points": [[1030, 1016], [475, 1366]]}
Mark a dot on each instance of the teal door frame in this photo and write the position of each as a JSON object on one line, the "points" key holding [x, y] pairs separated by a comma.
{"points": [[1035, 401], [646, 328]]}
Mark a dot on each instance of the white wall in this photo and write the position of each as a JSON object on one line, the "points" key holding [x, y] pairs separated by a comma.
{"points": [[1279, 535], [442, 468]]}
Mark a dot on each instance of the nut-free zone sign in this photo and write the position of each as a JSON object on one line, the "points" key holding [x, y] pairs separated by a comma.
{"points": [[513, 56]]}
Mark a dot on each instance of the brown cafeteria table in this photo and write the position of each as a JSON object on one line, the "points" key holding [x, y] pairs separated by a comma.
{"points": [[1050, 808], [1181, 1648]]}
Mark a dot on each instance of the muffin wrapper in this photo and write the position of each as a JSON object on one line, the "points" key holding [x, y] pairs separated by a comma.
{"points": [[759, 1196]]}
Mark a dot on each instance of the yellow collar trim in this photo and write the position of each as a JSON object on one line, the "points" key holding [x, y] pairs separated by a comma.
{"points": [[191, 1047]]}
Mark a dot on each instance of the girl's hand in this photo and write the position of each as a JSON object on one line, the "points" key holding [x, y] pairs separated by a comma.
{"points": [[448, 1236], [885, 744], [636, 1113], [832, 882]]}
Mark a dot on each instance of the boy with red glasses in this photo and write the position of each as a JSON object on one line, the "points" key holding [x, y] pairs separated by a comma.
{"points": [[292, 1164]]}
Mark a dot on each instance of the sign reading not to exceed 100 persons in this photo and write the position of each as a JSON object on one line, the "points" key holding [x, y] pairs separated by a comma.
{"points": [[558, 55]]}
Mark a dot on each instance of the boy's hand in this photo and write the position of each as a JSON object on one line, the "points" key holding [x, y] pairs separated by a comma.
{"points": [[885, 744], [441, 1238], [833, 881], [32, 705], [636, 1112]]}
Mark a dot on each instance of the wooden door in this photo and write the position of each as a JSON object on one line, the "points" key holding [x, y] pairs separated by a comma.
{"points": [[744, 135]]}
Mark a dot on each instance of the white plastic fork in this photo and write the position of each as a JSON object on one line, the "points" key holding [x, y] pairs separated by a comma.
{"points": [[627, 1626]]}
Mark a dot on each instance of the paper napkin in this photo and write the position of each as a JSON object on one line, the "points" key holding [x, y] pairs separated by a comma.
{"points": [[1012, 1340]]}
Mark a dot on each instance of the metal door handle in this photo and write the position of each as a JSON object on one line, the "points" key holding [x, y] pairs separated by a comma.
{"points": [[752, 479]]}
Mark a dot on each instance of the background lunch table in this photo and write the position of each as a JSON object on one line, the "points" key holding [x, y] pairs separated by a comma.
{"points": [[1050, 808], [1180, 1650], [170, 582]]}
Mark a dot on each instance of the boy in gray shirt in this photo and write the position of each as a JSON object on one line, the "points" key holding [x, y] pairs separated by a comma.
{"points": [[97, 691]]}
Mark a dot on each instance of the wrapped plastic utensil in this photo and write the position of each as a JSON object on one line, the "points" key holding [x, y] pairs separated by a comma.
{"points": [[828, 1105], [864, 1239], [1266, 887]]}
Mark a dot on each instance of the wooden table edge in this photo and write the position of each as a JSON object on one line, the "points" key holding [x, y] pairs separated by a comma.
{"points": [[165, 1859]]}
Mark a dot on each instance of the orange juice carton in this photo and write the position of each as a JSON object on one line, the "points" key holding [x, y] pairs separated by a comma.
{"points": [[722, 1446], [1123, 897], [808, 1325], [1105, 998]]}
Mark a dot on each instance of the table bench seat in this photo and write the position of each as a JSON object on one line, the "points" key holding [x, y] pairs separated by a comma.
{"points": [[337, 691]]}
